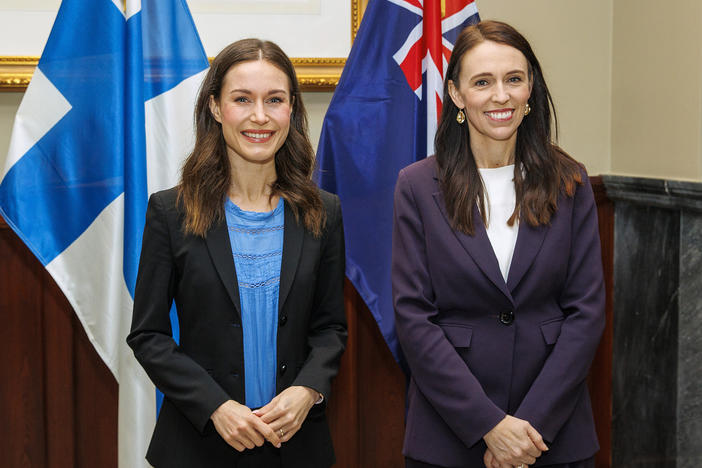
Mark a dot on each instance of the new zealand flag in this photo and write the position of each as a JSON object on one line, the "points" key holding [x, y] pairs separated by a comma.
{"points": [[383, 117]]}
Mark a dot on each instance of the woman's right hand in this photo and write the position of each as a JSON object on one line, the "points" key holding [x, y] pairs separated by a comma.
{"points": [[240, 428], [514, 442]]}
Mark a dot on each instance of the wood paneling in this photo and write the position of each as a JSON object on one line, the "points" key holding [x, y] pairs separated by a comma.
{"points": [[59, 401], [343, 408], [23, 437], [367, 409], [600, 379]]}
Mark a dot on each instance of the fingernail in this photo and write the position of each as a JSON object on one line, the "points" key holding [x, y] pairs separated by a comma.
{"points": [[278, 445]]}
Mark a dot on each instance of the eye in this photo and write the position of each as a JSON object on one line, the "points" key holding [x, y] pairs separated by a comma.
{"points": [[242, 99], [275, 100], [481, 83], [515, 79]]}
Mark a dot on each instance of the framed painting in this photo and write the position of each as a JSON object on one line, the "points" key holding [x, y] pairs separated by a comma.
{"points": [[303, 28]]}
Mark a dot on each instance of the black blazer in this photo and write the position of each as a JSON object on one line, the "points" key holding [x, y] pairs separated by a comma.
{"points": [[207, 367]]}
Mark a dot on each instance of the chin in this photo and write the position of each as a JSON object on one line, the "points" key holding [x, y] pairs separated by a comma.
{"points": [[503, 136]]}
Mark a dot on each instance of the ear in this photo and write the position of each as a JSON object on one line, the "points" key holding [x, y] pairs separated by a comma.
{"points": [[214, 109], [455, 95]]}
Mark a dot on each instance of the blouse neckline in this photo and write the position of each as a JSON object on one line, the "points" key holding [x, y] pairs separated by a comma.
{"points": [[232, 208]]}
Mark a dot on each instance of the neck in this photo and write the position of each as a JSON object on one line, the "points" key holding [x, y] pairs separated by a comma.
{"points": [[251, 185], [490, 153]]}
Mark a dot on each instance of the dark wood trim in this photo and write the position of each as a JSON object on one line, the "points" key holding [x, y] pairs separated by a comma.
{"points": [[343, 407], [600, 379]]}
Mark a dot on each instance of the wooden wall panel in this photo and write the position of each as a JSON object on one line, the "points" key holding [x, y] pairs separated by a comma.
{"points": [[22, 440], [343, 412], [381, 397], [600, 379], [60, 401]]}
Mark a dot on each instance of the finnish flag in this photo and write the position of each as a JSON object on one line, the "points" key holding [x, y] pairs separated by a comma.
{"points": [[106, 120]]}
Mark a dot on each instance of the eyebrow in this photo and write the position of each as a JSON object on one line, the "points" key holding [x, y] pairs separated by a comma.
{"points": [[481, 75], [246, 91]]}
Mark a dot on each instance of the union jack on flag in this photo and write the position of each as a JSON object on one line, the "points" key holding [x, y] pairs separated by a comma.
{"points": [[383, 117], [428, 47]]}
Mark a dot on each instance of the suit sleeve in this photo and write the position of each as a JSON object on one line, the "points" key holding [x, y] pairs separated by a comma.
{"points": [[440, 374], [556, 390], [327, 328], [183, 381]]}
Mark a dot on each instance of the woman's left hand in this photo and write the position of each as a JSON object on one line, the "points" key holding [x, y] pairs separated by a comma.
{"points": [[287, 411], [491, 461]]}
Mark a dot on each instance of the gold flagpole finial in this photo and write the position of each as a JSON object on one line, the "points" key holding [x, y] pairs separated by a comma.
{"points": [[443, 8]]}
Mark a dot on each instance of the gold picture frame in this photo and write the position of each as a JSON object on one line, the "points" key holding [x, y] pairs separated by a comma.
{"points": [[314, 73]]}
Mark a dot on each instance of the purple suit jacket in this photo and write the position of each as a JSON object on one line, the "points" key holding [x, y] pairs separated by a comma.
{"points": [[469, 368]]}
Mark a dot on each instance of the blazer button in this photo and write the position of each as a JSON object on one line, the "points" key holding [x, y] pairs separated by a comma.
{"points": [[283, 368], [507, 317], [283, 320]]}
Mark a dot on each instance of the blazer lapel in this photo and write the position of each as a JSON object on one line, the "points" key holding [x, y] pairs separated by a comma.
{"points": [[529, 242], [293, 235], [220, 249], [478, 247]]}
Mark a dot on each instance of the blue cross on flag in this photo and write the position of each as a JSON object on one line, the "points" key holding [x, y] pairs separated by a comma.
{"points": [[106, 120]]}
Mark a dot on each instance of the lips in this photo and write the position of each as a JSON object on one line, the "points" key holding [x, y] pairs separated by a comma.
{"points": [[500, 115], [258, 136]]}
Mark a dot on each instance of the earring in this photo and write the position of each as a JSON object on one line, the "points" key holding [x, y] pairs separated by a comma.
{"points": [[460, 117], [527, 109]]}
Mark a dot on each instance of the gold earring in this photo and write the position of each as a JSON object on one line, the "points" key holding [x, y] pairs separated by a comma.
{"points": [[527, 109], [460, 117]]}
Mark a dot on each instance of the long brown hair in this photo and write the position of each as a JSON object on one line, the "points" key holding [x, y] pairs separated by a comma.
{"points": [[541, 168], [207, 174]]}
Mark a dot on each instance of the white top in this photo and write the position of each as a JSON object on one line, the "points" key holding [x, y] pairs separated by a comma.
{"points": [[499, 203]]}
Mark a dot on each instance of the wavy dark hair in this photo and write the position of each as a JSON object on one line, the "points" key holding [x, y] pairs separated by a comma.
{"points": [[207, 176], [541, 168]]}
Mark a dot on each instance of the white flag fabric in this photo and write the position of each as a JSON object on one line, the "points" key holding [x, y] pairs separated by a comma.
{"points": [[105, 121]]}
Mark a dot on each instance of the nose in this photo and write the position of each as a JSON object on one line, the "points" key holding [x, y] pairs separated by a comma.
{"points": [[259, 115], [501, 95]]}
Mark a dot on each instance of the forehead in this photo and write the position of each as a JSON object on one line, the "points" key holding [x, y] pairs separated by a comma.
{"points": [[491, 57], [255, 75]]}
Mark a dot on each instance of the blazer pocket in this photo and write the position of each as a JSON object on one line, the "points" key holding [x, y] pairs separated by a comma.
{"points": [[551, 330], [458, 335]]}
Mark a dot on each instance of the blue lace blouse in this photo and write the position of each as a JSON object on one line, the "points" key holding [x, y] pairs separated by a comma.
{"points": [[257, 246]]}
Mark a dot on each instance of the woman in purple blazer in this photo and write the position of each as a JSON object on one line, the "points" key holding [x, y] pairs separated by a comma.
{"points": [[496, 272]]}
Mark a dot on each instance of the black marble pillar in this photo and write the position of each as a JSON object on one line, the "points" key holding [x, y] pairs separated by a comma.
{"points": [[657, 356], [690, 342]]}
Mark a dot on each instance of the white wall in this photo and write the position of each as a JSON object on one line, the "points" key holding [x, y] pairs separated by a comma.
{"points": [[657, 89]]}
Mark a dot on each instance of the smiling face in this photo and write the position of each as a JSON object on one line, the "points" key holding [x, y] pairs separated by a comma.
{"points": [[254, 109], [494, 87]]}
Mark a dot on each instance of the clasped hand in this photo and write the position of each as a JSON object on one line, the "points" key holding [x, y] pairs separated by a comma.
{"points": [[245, 429], [512, 442]]}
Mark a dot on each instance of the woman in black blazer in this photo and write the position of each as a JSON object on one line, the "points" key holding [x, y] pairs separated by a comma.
{"points": [[247, 384]]}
